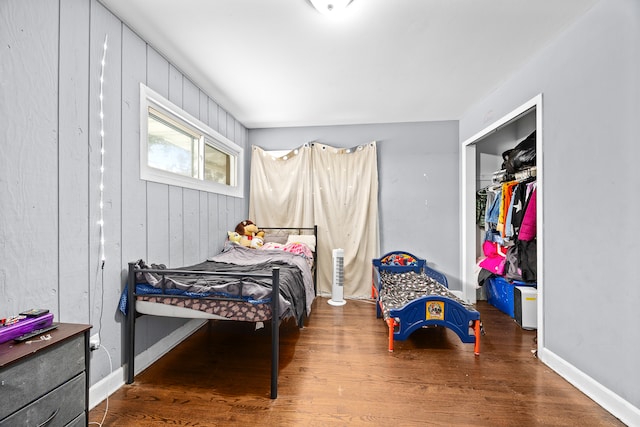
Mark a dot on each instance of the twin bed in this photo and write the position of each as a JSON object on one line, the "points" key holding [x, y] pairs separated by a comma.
{"points": [[272, 283], [410, 295]]}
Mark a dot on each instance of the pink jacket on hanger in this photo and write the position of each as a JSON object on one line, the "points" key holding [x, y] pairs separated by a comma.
{"points": [[528, 227]]}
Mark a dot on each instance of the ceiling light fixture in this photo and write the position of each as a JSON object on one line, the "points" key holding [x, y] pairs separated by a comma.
{"points": [[330, 7]]}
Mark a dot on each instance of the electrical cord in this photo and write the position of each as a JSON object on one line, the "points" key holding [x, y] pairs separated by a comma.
{"points": [[99, 278], [106, 409]]}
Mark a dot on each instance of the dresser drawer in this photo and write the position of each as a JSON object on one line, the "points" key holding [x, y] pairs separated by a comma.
{"points": [[80, 421], [57, 408], [31, 378]]}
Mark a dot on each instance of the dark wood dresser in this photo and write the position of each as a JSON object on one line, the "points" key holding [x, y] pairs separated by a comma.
{"points": [[46, 382]]}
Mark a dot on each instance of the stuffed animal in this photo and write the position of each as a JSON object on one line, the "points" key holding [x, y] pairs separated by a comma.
{"points": [[399, 259], [256, 242], [234, 237], [248, 233]]}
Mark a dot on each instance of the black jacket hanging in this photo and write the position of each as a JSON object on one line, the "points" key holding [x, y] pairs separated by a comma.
{"points": [[519, 205], [521, 156]]}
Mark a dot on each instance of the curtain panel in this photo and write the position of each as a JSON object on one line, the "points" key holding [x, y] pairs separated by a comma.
{"points": [[345, 194], [280, 192]]}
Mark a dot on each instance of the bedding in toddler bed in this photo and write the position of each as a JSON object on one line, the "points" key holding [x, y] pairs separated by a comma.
{"points": [[398, 289]]}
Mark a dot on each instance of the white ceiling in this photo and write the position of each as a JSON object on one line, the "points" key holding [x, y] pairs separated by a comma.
{"points": [[273, 63]]}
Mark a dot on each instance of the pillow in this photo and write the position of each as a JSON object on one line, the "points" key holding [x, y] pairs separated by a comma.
{"points": [[272, 246], [275, 238], [307, 239]]}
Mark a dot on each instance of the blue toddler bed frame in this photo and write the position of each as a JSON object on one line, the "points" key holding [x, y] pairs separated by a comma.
{"points": [[438, 307]]}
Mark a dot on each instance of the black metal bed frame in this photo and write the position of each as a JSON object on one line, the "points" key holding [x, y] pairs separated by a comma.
{"points": [[275, 314]]}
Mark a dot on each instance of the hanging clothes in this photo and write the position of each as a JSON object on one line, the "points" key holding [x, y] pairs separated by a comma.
{"points": [[528, 259], [492, 215], [524, 263], [481, 206], [508, 226], [507, 190], [528, 228], [494, 195], [516, 210]]}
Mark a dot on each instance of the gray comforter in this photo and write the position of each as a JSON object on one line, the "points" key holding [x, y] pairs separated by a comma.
{"points": [[296, 282]]}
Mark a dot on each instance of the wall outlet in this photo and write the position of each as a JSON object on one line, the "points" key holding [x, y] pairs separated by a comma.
{"points": [[94, 342]]}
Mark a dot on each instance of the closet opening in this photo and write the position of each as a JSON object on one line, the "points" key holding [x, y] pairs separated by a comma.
{"points": [[483, 173]]}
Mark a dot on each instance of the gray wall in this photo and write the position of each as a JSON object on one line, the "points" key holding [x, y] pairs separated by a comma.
{"points": [[589, 78], [418, 182], [50, 170]]}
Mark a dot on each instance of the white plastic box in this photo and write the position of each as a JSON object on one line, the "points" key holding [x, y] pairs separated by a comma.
{"points": [[525, 306]]}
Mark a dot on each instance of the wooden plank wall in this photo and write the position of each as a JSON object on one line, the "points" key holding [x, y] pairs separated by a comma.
{"points": [[50, 174]]}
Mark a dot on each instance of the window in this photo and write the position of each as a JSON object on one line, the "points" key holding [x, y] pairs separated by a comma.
{"points": [[178, 149]]}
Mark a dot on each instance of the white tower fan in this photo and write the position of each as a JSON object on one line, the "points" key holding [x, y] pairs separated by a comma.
{"points": [[337, 291]]}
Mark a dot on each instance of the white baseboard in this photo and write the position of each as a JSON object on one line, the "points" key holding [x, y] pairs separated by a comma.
{"points": [[614, 404], [116, 379], [105, 387]]}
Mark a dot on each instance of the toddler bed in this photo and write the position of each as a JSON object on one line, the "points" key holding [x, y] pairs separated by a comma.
{"points": [[410, 295], [273, 283]]}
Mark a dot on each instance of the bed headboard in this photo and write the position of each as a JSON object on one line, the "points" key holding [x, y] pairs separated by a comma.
{"points": [[283, 235], [399, 261]]}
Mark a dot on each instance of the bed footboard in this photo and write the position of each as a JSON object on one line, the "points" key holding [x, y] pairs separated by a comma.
{"points": [[435, 311], [132, 314]]}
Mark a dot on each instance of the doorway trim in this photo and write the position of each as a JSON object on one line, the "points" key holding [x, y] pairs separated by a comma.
{"points": [[467, 206]]}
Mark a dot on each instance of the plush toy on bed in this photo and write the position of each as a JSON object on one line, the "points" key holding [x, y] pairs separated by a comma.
{"points": [[399, 260], [249, 234], [234, 237]]}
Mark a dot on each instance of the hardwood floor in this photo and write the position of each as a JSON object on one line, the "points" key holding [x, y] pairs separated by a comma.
{"points": [[337, 371]]}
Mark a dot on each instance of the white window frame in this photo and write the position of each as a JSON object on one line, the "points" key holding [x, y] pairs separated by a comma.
{"points": [[150, 98]]}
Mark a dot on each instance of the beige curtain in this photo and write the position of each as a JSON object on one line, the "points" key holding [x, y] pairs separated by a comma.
{"points": [[345, 188], [280, 188], [333, 188]]}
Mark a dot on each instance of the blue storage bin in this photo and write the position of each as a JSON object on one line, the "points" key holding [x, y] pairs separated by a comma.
{"points": [[500, 292]]}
